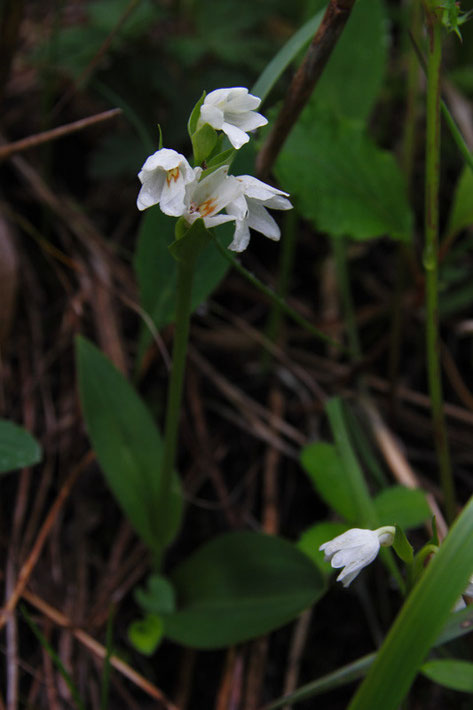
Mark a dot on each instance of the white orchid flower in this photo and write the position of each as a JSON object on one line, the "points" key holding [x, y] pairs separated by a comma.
{"points": [[232, 111], [355, 549], [249, 210], [209, 196], [164, 177]]}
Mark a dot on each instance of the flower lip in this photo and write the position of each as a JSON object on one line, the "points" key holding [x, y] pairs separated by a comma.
{"points": [[164, 177]]}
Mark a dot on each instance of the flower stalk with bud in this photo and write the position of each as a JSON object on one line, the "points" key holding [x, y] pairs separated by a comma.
{"points": [[203, 197]]}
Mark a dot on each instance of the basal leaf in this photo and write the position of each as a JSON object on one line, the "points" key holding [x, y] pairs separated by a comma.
{"points": [[238, 586], [451, 673], [17, 447], [128, 447], [341, 181], [461, 214]]}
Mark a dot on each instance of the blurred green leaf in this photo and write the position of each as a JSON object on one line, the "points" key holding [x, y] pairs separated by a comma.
{"points": [[451, 673], [17, 447], [314, 536], [128, 447], [325, 468], [403, 506], [238, 586], [158, 595], [341, 181], [461, 213], [352, 79], [402, 546], [146, 634]]}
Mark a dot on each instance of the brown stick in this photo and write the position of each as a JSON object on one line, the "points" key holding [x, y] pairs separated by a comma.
{"points": [[33, 557], [304, 81], [100, 651], [55, 133]]}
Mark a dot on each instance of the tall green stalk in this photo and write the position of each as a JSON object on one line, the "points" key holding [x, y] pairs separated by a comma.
{"points": [[185, 273], [432, 178]]}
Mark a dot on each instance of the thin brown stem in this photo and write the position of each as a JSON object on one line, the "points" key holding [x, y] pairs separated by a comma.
{"points": [[304, 81]]}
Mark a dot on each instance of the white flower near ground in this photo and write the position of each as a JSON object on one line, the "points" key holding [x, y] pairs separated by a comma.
{"points": [[210, 195], [232, 111], [164, 177], [355, 549], [249, 210]]}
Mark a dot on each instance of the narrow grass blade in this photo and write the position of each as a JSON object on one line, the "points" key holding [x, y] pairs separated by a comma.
{"points": [[420, 620], [285, 56]]}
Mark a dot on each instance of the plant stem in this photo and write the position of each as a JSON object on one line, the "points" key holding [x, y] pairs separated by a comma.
{"points": [[300, 320], [339, 247], [185, 273], [432, 178]]}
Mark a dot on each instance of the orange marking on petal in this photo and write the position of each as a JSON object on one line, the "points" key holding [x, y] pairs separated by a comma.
{"points": [[172, 175], [207, 207]]}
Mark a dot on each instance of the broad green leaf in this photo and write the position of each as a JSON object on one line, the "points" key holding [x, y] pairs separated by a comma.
{"points": [[352, 79], [403, 506], [238, 586], [420, 620], [190, 241], [146, 634], [17, 447], [156, 271], [451, 673], [158, 596], [461, 213], [314, 536], [325, 468], [341, 181], [128, 447]]}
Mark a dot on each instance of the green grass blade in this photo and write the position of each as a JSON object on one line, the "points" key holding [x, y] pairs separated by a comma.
{"points": [[420, 620], [285, 56], [54, 657], [458, 624]]}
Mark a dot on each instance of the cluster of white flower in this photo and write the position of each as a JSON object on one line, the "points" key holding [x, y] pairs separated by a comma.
{"points": [[182, 191]]}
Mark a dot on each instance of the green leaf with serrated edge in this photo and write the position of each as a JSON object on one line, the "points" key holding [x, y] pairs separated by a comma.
{"points": [[146, 634], [402, 546], [325, 469], [313, 537], [157, 597], [155, 269], [450, 673], [351, 81], [341, 181], [195, 114], [17, 447], [128, 447], [420, 620], [203, 143], [407, 507], [238, 586], [461, 212], [190, 243]]}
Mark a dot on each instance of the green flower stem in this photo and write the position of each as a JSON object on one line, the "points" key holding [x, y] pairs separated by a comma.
{"points": [[432, 178], [185, 273], [286, 263], [339, 247], [273, 297]]}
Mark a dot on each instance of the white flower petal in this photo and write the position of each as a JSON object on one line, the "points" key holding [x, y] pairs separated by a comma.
{"points": [[212, 115], [232, 111], [235, 135], [355, 549], [260, 220], [241, 237]]}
